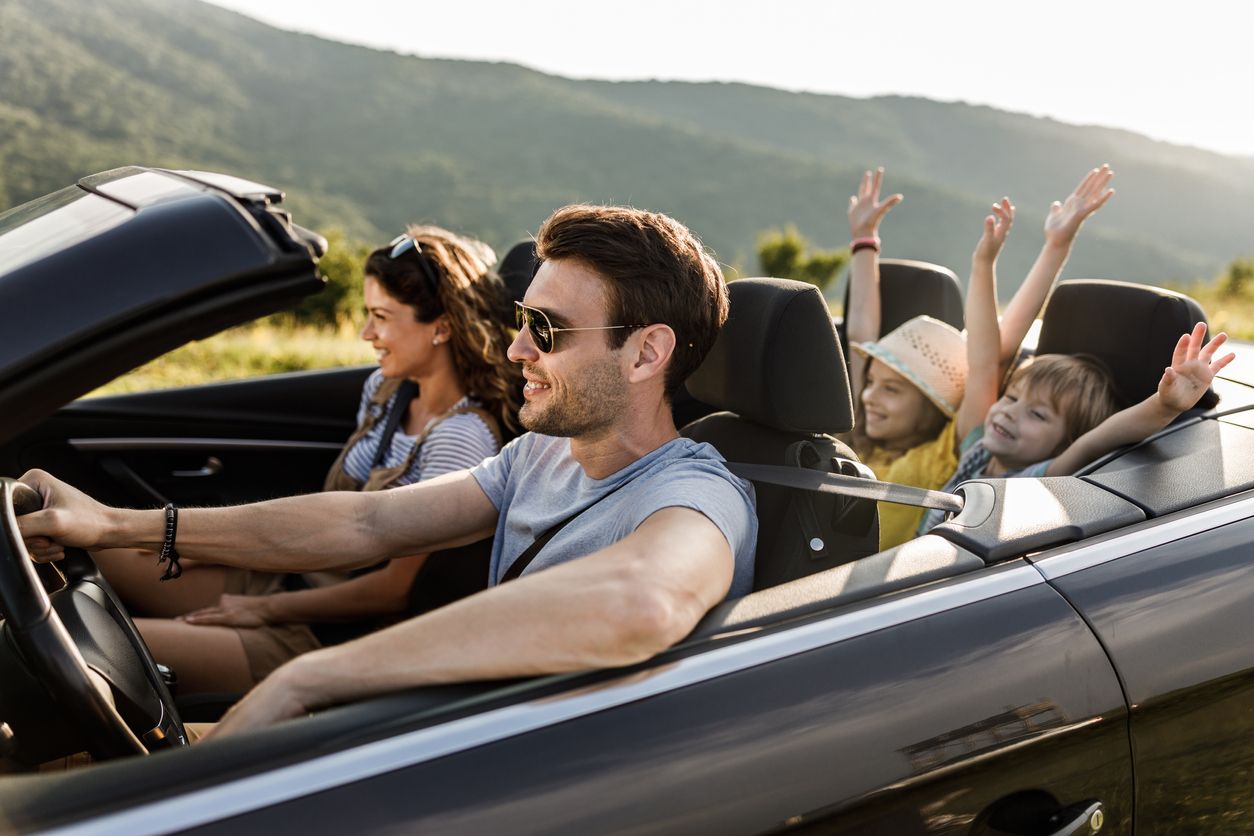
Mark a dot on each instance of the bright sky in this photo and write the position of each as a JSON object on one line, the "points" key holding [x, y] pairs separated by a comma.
{"points": [[1172, 71]]}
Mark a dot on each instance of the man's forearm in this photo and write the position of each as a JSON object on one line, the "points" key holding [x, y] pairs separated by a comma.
{"points": [[618, 606], [554, 621], [304, 533], [314, 532], [509, 631]]}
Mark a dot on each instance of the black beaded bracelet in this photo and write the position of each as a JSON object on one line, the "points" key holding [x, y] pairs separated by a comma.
{"points": [[168, 552]]}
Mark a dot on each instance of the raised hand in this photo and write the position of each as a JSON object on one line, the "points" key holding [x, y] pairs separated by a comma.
{"points": [[1064, 219], [866, 210], [996, 228], [1193, 367], [232, 611]]}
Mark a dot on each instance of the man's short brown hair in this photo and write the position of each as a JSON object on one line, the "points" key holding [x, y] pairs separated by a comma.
{"points": [[656, 271]]}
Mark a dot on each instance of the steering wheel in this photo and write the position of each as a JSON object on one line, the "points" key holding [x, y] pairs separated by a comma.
{"points": [[81, 646]]}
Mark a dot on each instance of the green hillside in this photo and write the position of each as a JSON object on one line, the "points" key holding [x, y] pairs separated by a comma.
{"points": [[370, 140]]}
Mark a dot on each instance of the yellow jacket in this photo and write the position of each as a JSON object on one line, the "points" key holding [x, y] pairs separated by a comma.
{"points": [[928, 465]]}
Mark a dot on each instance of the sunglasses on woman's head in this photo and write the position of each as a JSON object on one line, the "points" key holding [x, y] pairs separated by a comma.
{"points": [[402, 244], [541, 329]]}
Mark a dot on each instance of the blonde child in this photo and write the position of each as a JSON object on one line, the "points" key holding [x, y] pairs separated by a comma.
{"points": [[1057, 412], [908, 386]]}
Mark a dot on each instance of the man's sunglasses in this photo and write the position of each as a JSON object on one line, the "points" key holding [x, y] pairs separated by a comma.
{"points": [[541, 329], [402, 244]]}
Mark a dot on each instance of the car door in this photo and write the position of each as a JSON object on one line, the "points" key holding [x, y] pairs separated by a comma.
{"points": [[979, 704], [1173, 603], [216, 444]]}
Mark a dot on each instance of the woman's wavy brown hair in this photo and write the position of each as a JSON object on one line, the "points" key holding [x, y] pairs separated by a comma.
{"points": [[474, 300]]}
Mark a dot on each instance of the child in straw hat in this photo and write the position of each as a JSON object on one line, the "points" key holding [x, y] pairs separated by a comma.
{"points": [[1057, 411], [909, 386]]}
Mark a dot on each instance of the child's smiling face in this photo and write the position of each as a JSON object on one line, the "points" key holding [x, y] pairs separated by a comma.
{"points": [[1023, 428], [896, 412]]}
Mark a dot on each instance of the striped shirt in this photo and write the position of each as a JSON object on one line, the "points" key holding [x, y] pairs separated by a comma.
{"points": [[458, 442]]}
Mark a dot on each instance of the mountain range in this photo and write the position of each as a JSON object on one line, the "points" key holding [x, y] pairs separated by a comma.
{"points": [[368, 141]]}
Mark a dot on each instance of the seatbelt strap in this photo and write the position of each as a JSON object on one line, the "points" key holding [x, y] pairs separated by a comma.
{"points": [[400, 402], [524, 560], [814, 480]]}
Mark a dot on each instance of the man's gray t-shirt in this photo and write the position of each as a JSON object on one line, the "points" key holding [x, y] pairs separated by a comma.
{"points": [[536, 483]]}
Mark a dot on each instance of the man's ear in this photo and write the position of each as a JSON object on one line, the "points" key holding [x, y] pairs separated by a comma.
{"points": [[654, 346]]}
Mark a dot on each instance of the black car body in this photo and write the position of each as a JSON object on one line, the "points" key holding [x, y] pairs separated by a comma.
{"points": [[1066, 655]]}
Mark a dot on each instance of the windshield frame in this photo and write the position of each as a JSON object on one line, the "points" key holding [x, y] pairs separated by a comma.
{"points": [[55, 222]]}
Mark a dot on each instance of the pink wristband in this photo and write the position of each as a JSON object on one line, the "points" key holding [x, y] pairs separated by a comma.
{"points": [[866, 242]]}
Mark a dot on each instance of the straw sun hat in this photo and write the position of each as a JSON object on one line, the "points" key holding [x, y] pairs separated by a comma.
{"points": [[930, 354]]}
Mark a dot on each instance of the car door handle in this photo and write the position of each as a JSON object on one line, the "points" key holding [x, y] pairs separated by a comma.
{"points": [[211, 467], [1087, 821]]}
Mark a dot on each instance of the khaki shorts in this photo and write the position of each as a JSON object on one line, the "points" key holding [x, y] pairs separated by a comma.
{"points": [[270, 646]]}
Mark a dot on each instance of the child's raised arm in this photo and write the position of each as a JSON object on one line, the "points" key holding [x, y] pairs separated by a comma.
{"points": [[1192, 369], [983, 332], [1062, 224], [862, 320]]}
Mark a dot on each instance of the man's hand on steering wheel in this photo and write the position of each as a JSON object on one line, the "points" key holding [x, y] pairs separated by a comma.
{"points": [[70, 518], [80, 637]]}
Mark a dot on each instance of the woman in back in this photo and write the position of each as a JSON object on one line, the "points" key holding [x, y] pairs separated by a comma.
{"points": [[440, 401]]}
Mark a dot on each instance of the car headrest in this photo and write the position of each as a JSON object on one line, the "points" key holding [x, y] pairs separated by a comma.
{"points": [[518, 268], [777, 361], [914, 288], [1131, 328]]}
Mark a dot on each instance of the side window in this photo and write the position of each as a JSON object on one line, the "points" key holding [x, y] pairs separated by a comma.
{"points": [[267, 346]]}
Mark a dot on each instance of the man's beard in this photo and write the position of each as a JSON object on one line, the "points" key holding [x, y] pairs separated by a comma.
{"points": [[584, 408]]}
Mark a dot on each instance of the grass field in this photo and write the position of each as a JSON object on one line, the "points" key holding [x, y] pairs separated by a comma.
{"points": [[1233, 313], [247, 351]]}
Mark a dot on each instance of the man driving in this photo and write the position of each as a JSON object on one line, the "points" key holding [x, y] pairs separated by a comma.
{"points": [[612, 534]]}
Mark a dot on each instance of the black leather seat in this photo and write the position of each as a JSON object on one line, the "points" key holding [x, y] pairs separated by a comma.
{"points": [[778, 375], [1131, 328], [909, 289]]}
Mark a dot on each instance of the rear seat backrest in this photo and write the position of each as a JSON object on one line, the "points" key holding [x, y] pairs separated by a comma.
{"points": [[517, 269], [913, 288], [778, 374], [1131, 328]]}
